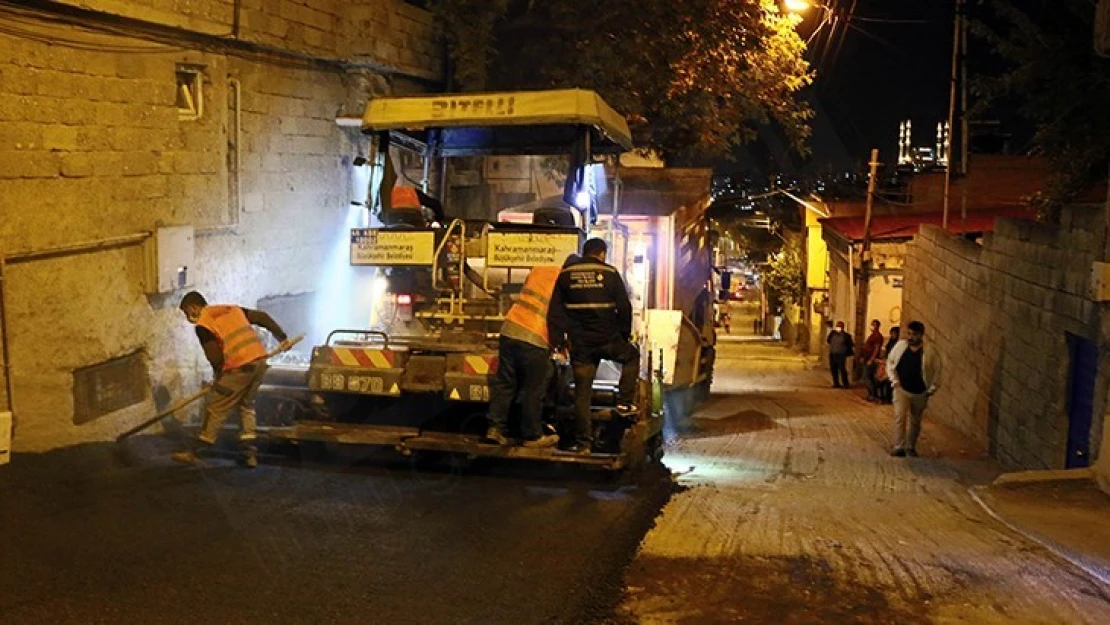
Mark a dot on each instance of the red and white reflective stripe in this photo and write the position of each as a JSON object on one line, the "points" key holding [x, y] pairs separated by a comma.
{"points": [[357, 357], [479, 365]]}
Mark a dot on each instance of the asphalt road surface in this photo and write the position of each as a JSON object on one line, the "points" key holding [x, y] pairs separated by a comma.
{"points": [[338, 539]]}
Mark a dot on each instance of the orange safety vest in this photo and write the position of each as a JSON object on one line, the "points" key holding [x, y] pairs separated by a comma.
{"points": [[404, 197], [238, 340], [527, 319]]}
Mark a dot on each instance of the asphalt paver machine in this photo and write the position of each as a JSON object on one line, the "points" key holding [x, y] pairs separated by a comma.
{"points": [[416, 377]]}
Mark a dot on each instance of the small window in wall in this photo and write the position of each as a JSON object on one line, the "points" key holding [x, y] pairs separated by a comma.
{"points": [[190, 97]]}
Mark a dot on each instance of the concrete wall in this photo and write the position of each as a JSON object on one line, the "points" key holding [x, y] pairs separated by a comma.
{"points": [[92, 148], [841, 299], [390, 34], [999, 315]]}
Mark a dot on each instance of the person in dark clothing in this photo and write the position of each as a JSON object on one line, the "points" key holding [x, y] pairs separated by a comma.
{"points": [[886, 392], [238, 360], [590, 309], [840, 349], [872, 353]]}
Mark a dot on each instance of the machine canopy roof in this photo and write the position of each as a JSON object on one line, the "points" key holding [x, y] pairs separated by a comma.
{"points": [[506, 123]]}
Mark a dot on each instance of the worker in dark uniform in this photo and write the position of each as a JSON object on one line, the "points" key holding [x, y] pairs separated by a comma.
{"points": [[238, 360], [590, 307]]}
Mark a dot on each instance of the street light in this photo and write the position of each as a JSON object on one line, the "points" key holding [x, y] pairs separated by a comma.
{"points": [[797, 6]]}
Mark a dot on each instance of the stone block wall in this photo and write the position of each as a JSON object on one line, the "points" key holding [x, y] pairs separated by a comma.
{"points": [[93, 151], [388, 33], [1000, 315]]}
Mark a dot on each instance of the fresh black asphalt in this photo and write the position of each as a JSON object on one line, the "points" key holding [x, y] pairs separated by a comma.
{"points": [[117, 534]]}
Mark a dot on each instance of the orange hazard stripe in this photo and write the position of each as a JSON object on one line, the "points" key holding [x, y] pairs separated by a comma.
{"points": [[479, 365], [369, 358]]}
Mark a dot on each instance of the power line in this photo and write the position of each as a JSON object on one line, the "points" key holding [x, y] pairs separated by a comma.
{"points": [[892, 20]]}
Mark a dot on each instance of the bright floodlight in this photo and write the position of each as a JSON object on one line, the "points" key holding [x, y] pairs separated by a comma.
{"points": [[797, 6]]}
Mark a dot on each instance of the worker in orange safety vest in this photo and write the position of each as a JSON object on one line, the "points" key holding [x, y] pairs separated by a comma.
{"points": [[238, 360], [524, 363]]}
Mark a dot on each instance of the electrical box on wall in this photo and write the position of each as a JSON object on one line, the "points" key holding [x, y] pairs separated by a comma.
{"points": [[170, 256], [1100, 282]]}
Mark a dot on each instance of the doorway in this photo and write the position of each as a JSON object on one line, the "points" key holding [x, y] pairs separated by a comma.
{"points": [[1082, 375]]}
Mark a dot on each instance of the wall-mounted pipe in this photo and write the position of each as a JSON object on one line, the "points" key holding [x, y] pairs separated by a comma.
{"points": [[95, 245], [236, 18], [4, 353], [237, 87]]}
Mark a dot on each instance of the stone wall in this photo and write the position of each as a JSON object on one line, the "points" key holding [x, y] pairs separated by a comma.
{"points": [[390, 34], [93, 150], [1000, 315]]}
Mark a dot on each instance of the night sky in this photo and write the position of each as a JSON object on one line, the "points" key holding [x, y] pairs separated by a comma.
{"points": [[876, 63], [889, 61]]}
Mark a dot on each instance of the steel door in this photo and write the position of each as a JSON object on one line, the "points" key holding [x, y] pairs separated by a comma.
{"points": [[1081, 395]]}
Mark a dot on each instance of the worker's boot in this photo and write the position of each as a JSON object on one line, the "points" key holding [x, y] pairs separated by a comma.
{"points": [[547, 440], [627, 409], [190, 456], [496, 436], [248, 456]]}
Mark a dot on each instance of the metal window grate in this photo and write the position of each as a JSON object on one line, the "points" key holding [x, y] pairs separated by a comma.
{"points": [[190, 94], [109, 386]]}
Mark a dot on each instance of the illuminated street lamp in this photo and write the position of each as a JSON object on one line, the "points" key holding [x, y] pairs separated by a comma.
{"points": [[797, 6]]}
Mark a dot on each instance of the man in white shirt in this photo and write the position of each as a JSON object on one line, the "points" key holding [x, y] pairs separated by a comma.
{"points": [[914, 373]]}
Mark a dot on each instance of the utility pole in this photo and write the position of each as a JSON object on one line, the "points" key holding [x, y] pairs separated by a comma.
{"points": [[953, 88], [965, 134], [865, 253]]}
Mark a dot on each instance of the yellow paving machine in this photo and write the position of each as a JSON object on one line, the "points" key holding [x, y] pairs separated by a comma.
{"points": [[416, 376]]}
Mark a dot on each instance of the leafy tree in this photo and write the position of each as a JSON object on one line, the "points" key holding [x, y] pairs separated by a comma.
{"points": [[694, 77], [785, 276], [1059, 83]]}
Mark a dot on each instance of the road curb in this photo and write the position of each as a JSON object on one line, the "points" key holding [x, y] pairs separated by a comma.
{"points": [[1055, 549], [1050, 475]]}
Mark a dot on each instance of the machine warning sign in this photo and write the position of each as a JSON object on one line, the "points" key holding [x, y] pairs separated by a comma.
{"points": [[376, 247], [529, 249]]}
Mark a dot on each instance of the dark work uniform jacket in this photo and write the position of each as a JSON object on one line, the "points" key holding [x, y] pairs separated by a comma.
{"points": [[590, 306]]}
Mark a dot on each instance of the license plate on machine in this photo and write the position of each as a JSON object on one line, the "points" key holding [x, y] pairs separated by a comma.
{"points": [[466, 388], [363, 383]]}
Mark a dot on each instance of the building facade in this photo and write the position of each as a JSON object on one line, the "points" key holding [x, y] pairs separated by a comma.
{"points": [[209, 126]]}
